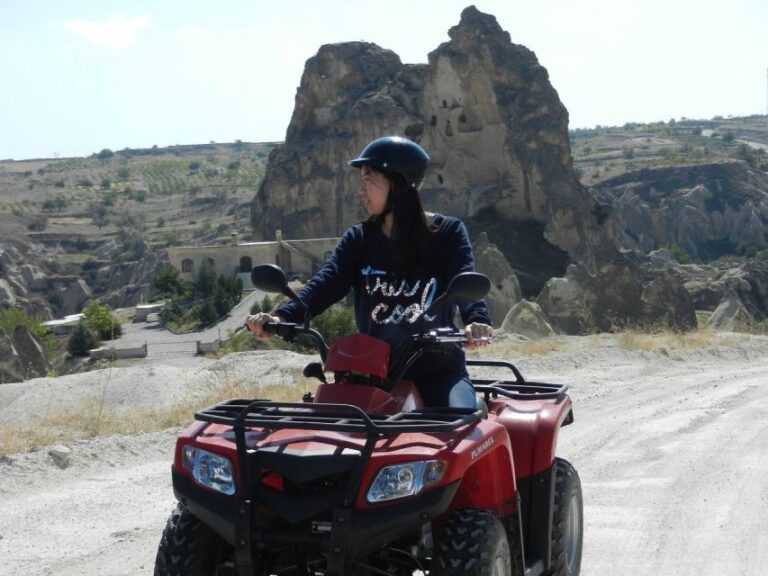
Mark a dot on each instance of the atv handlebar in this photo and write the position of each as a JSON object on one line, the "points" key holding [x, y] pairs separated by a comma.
{"points": [[289, 330], [446, 336]]}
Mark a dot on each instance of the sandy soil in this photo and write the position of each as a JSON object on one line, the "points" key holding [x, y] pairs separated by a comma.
{"points": [[671, 446]]}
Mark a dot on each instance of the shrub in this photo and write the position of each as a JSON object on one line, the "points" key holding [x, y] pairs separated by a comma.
{"points": [[335, 322], [207, 313], [170, 313], [679, 253]]}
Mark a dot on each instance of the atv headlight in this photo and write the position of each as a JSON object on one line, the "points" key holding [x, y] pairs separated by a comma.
{"points": [[209, 469], [401, 480]]}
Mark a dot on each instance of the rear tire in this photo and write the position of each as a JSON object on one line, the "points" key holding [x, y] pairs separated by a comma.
{"points": [[567, 521], [189, 548], [472, 542]]}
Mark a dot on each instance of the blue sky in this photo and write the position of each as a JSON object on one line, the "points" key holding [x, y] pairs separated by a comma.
{"points": [[78, 76]]}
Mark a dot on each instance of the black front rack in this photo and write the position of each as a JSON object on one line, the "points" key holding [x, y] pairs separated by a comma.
{"points": [[334, 417], [519, 388]]}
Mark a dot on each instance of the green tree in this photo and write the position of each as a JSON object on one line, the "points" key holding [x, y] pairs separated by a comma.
{"points": [[205, 280], [170, 283], [98, 317], [227, 294], [265, 305], [82, 340]]}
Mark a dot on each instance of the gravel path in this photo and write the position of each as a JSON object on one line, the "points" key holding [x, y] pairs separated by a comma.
{"points": [[671, 448]]}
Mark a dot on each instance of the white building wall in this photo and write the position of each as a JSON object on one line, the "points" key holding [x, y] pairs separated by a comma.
{"points": [[299, 258]]}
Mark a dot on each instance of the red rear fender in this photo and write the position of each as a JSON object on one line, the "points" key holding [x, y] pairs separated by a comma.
{"points": [[533, 427]]}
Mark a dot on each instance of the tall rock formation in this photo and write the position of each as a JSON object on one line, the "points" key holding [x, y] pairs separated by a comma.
{"points": [[491, 121]]}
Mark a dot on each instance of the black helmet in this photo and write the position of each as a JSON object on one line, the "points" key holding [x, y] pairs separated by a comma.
{"points": [[396, 154]]}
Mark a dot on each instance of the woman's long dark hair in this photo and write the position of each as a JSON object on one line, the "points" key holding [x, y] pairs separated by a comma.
{"points": [[410, 232]]}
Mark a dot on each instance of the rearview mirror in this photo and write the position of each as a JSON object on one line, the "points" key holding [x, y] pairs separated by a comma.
{"points": [[271, 278]]}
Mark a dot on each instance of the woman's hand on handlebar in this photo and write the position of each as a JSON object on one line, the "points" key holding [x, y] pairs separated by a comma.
{"points": [[255, 324], [478, 335]]}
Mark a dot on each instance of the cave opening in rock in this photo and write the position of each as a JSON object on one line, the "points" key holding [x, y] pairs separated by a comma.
{"points": [[533, 258]]}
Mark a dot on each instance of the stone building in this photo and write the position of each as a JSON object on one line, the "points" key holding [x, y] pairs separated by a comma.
{"points": [[299, 258]]}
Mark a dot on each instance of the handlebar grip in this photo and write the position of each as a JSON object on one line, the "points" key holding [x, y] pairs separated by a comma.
{"points": [[270, 327]]}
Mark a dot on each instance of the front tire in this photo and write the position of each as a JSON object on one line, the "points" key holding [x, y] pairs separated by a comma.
{"points": [[189, 548], [472, 542], [567, 521]]}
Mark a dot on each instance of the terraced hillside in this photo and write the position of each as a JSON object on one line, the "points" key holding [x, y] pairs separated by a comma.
{"points": [[606, 152], [164, 196]]}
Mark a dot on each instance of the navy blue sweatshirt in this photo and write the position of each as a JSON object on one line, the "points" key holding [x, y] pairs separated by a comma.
{"points": [[387, 306]]}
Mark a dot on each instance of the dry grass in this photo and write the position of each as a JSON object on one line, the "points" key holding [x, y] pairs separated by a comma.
{"points": [[96, 419], [631, 340], [669, 340]]}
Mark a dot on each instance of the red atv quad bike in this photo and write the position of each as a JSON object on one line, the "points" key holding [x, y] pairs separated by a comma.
{"points": [[362, 479]]}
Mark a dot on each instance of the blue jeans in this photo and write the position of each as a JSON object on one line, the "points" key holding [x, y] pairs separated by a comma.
{"points": [[442, 379]]}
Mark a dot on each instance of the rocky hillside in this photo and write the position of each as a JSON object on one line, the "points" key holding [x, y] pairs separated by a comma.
{"points": [[701, 211], [78, 228]]}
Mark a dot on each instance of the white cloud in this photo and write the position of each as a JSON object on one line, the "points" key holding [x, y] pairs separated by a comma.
{"points": [[192, 31], [115, 32]]}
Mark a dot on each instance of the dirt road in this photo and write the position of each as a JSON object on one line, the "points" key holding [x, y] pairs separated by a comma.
{"points": [[672, 448]]}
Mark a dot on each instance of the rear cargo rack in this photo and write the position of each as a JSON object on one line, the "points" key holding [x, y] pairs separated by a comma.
{"points": [[336, 417], [518, 388]]}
